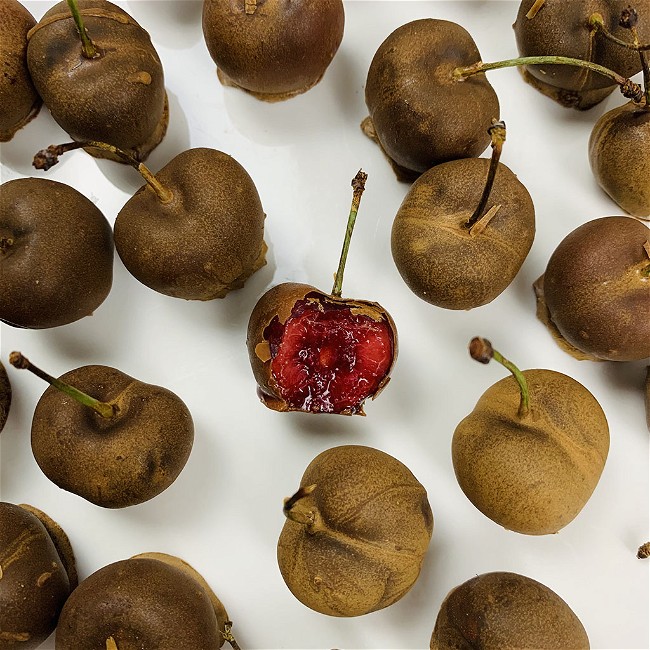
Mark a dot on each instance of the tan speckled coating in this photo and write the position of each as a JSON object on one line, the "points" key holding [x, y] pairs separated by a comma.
{"points": [[445, 263], [533, 474], [19, 101], [506, 611], [207, 240], [619, 154], [596, 290], [371, 529], [562, 28], [421, 116], [114, 462]]}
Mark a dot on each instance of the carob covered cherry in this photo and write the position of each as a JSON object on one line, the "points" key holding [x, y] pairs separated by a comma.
{"points": [[356, 532], [463, 230], [577, 30], [531, 453], [152, 600], [37, 574], [273, 49], [619, 154], [56, 254], [108, 437], [419, 114], [194, 231], [619, 145], [19, 101], [317, 352], [506, 610], [107, 85], [595, 293]]}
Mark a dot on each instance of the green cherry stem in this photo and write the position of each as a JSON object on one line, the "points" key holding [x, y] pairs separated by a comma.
{"points": [[358, 186], [629, 89], [49, 157], [481, 350], [498, 135], [598, 23], [628, 20], [105, 410], [88, 48]]}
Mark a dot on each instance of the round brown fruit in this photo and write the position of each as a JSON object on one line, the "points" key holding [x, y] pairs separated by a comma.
{"points": [[619, 154], [506, 610], [152, 600], [419, 114], [596, 290], [37, 574], [116, 97], [356, 532], [563, 29], [274, 49], [19, 101]]}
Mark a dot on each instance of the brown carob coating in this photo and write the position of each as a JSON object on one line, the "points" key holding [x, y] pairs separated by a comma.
{"points": [[506, 611], [35, 577], [19, 101], [447, 264], [367, 526], [619, 154], [349, 366], [420, 115], [596, 289], [119, 96], [207, 240], [5, 396], [56, 254], [532, 474], [139, 603], [562, 28], [118, 461], [274, 49]]}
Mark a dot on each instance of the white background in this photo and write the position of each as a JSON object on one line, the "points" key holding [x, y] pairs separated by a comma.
{"points": [[224, 512]]}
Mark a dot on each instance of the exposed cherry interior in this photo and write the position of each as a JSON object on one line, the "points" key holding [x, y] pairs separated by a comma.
{"points": [[326, 359]]}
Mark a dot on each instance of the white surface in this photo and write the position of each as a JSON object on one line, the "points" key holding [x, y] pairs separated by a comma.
{"points": [[223, 514]]}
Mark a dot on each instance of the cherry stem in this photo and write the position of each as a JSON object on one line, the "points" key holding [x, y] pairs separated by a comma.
{"points": [[498, 134], [629, 89], [481, 350], [358, 186], [49, 157], [533, 11], [598, 23], [628, 20], [306, 519], [228, 635], [88, 48], [105, 410]]}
